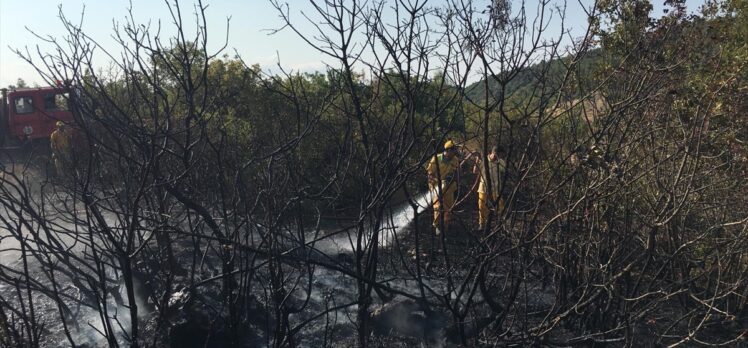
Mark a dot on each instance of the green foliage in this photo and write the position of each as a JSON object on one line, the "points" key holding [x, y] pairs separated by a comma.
{"points": [[550, 73]]}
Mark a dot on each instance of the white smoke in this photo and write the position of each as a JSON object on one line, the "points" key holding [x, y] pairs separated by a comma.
{"points": [[392, 226]]}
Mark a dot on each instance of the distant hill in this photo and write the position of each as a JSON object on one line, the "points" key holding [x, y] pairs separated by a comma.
{"points": [[527, 79]]}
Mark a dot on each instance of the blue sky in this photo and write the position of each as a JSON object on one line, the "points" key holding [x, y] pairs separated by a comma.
{"points": [[248, 20], [248, 33]]}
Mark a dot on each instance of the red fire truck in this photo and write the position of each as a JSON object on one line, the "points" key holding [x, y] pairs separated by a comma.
{"points": [[28, 114]]}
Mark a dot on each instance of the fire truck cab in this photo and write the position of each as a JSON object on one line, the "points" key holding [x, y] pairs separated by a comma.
{"points": [[27, 114]]}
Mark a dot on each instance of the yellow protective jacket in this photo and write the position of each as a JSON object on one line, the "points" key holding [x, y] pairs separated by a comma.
{"points": [[495, 169], [446, 169], [60, 142]]}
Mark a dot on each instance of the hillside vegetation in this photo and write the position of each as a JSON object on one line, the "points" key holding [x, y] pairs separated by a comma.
{"points": [[213, 203]]}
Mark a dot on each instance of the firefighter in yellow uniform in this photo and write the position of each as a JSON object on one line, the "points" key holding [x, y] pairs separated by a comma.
{"points": [[442, 173], [495, 169], [61, 152]]}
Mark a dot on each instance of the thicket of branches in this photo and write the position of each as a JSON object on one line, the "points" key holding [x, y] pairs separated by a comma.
{"points": [[206, 192]]}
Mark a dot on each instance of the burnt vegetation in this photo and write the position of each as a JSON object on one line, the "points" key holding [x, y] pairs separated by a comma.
{"points": [[212, 203]]}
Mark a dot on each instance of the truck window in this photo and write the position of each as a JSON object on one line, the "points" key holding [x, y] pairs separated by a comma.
{"points": [[24, 105], [56, 101]]}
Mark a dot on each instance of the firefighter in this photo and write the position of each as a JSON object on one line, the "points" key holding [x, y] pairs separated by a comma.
{"points": [[495, 169], [61, 152], [442, 173]]}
